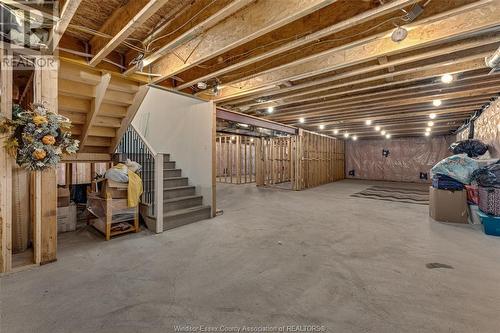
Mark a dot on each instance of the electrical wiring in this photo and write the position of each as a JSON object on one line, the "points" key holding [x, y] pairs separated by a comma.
{"points": [[244, 54], [404, 18], [180, 27], [103, 35], [311, 45]]}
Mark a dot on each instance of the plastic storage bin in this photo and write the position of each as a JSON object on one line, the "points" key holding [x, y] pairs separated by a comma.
{"points": [[489, 200], [491, 224]]}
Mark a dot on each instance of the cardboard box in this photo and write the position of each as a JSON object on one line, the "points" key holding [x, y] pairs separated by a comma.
{"points": [[63, 197], [448, 206], [66, 218]]}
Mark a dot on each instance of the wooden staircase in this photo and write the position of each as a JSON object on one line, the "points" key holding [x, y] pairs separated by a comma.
{"points": [[181, 204], [100, 105]]}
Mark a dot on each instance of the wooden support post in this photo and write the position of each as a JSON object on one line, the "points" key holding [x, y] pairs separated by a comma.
{"points": [[214, 161], [45, 183], [68, 175], [5, 165], [237, 159]]}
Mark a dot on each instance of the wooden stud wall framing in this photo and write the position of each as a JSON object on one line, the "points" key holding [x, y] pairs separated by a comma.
{"points": [[306, 160], [274, 157], [235, 159], [318, 160]]}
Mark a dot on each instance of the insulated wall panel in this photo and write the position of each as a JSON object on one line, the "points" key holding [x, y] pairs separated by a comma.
{"points": [[487, 128], [406, 159]]}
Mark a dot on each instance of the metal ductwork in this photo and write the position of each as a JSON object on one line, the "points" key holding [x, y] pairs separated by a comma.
{"points": [[493, 61]]}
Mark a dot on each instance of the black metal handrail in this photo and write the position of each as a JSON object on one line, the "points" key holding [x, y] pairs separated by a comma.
{"points": [[133, 147]]}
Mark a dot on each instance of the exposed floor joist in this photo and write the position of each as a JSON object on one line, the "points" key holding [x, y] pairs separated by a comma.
{"points": [[383, 10], [190, 33], [332, 62], [249, 23], [121, 25], [460, 22]]}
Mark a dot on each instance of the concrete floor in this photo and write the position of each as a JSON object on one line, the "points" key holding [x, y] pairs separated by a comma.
{"points": [[276, 257]]}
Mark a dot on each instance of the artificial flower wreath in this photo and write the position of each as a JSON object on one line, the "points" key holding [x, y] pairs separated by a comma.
{"points": [[37, 138]]}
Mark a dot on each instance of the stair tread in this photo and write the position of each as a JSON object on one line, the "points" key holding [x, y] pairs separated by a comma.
{"points": [[185, 210], [174, 178], [176, 169], [178, 188], [182, 198]]}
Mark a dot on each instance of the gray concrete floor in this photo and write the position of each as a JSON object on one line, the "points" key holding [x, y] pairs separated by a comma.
{"points": [[276, 257]]}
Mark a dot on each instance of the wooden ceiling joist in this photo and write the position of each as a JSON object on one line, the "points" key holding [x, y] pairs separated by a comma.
{"points": [[364, 17], [403, 99], [474, 49], [249, 23], [394, 94], [387, 126], [459, 23], [67, 13], [191, 33], [401, 114], [121, 25], [332, 62]]}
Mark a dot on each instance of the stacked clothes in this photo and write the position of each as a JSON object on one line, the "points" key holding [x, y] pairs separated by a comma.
{"points": [[444, 182]]}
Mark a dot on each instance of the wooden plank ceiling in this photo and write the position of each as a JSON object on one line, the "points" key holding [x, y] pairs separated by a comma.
{"points": [[325, 65]]}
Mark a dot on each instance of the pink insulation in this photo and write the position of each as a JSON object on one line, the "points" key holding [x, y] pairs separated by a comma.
{"points": [[407, 158], [487, 128]]}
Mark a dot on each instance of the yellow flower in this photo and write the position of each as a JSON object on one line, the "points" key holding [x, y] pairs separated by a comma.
{"points": [[39, 154], [39, 120], [48, 140]]}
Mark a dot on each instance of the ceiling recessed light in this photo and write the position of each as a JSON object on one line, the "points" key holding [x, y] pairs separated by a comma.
{"points": [[354, 137], [427, 129], [368, 122], [270, 109], [321, 127], [387, 136], [437, 102], [430, 123], [377, 128], [447, 78], [383, 132], [233, 138], [251, 139], [302, 120], [432, 116], [243, 125], [335, 131], [427, 133], [346, 135]]}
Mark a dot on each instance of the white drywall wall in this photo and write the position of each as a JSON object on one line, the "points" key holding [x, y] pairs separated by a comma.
{"points": [[182, 127]]}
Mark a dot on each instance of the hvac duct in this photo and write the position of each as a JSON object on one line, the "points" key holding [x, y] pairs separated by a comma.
{"points": [[493, 61]]}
